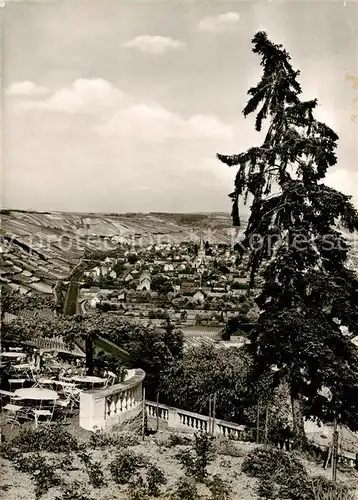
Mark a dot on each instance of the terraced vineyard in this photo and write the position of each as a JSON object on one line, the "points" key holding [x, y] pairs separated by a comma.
{"points": [[38, 249]]}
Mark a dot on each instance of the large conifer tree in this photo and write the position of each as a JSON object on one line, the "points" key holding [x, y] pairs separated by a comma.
{"points": [[308, 294]]}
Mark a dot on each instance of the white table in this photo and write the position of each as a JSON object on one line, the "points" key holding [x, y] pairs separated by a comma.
{"points": [[23, 366], [87, 379], [37, 394], [47, 381], [13, 354]]}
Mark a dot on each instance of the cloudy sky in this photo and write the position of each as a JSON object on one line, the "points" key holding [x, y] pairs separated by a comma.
{"points": [[121, 106]]}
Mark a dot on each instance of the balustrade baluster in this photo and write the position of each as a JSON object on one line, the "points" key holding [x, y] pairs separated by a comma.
{"points": [[116, 399], [108, 406], [121, 402], [129, 399]]}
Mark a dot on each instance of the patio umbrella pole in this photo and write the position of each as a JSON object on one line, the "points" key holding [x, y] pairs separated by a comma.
{"points": [[89, 355], [143, 415]]}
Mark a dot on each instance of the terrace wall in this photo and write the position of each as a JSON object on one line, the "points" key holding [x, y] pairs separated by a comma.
{"points": [[187, 421], [105, 408]]}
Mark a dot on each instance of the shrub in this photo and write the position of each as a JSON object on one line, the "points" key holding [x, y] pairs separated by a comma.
{"points": [[185, 489], [155, 479], [42, 471], [94, 470], [196, 459], [175, 439], [137, 491], [126, 466], [227, 448], [264, 463], [54, 439], [218, 488], [268, 489], [101, 439], [73, 491], [324, 489], [283, 477]]}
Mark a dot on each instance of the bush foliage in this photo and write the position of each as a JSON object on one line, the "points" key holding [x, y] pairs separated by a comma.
{"points": [[282, 476], [196, 459], [54, 438]]}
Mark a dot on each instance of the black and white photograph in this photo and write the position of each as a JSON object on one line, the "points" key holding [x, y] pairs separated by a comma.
{"points": [[179, 250]]}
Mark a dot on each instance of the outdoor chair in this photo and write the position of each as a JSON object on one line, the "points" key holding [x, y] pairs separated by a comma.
{"points": [[64, 384], [17, 381], [32, 372], [44, 382], [23, 368], [111, 378], [69, 402], [6, 394], [46, 411], [73, 393], [13, 412]]}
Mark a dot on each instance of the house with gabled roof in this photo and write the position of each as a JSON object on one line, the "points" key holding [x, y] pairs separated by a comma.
{"points": [[199, 296], [128, 277], [144, 281]]}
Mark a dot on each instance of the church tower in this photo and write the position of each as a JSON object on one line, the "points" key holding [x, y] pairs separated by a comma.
{"points": [[200, 260]]}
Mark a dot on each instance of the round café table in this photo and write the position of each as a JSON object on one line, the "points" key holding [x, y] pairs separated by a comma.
{"points": [[87, 379], [36, 394], [13, 354]]}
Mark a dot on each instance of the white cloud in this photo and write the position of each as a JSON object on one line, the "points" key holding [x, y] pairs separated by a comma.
{"points": [[151, 123], [122, 115], [83, 96], [154, 44], [26, 89], [219, 24], [132, 154]]}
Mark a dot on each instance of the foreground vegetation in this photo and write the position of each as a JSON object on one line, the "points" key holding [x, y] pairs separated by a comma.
{"points": [[49, 462]]}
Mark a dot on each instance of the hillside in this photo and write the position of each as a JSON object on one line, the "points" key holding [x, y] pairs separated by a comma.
{"points": [[40, 248]]}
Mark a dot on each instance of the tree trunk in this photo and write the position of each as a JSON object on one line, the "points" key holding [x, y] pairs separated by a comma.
{"points": [[298, 429]]}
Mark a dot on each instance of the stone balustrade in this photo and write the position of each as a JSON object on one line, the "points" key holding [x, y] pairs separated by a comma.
{"points": [[187, 421], [162, 410], [104, 408]]}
